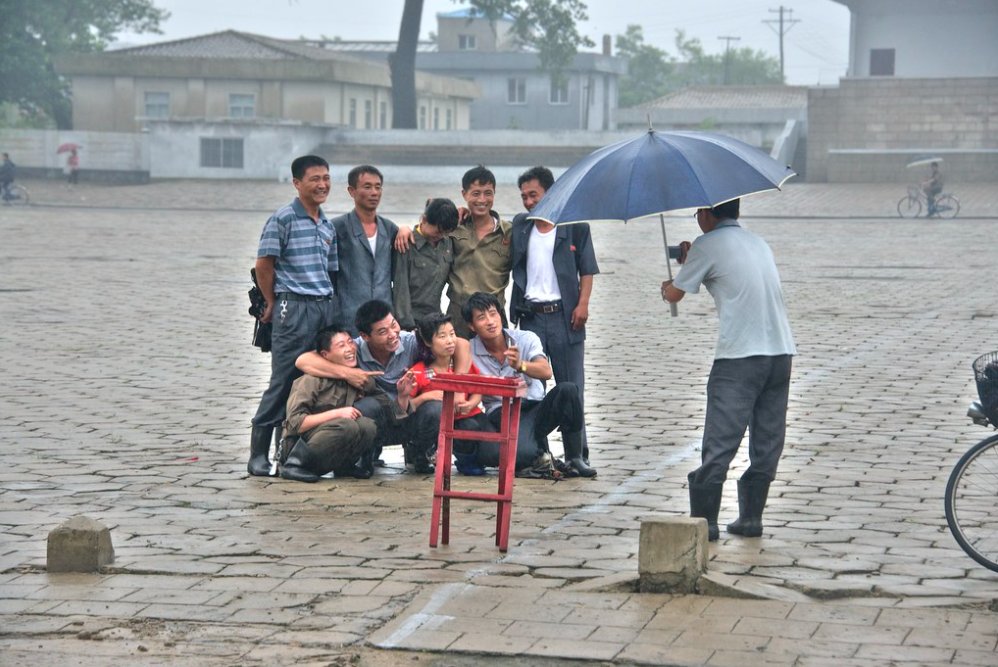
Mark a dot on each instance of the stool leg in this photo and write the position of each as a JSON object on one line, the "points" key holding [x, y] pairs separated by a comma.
{"points": [[441, 478], [512, 428]]}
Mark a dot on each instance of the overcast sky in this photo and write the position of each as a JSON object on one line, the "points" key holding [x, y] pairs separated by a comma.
{"points": [[816, 48]]}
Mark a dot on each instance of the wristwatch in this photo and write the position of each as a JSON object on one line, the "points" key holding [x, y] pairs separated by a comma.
{"points": [[523, 366]]}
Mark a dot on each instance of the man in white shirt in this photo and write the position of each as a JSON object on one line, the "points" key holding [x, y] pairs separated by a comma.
{"points": [[553, 269], [749, 381]]}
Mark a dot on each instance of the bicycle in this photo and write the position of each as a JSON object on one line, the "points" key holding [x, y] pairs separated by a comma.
{"points": [[972, 489], [910, 206], [14, 194]]}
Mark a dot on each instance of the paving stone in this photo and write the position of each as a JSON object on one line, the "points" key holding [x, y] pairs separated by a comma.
{"points": [[874, 426]]}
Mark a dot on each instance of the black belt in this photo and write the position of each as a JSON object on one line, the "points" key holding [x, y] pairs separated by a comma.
{"points": [[544, 306], [291, 296]]}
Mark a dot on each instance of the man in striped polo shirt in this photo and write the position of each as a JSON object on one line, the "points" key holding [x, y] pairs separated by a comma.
{"points": [[297, 251]]}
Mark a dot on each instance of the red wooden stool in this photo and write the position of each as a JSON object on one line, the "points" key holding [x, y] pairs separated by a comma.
{"points": [[511, 390]]}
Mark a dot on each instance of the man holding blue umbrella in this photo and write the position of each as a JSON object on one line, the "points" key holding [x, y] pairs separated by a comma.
{"points": [[749, 381]]}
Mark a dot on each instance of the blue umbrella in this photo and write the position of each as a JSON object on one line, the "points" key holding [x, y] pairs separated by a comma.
{"points": [[659, 172]]}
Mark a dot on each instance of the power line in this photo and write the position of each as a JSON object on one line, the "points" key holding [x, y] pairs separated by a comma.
{"points": [[785, 25]]}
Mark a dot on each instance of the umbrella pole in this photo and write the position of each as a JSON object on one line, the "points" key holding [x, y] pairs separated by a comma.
{"points": [[673, 308]]}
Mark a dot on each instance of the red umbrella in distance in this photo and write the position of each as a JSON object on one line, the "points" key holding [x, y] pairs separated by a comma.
{"points": [[68, 147]]}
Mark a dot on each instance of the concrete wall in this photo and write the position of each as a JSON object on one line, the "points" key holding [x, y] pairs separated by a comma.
{"points": [[867, 119], [112, 157], [268, 148], [930, 38]]}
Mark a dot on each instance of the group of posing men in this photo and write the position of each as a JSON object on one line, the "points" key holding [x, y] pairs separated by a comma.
{"points": [[355, 306], [346, 298]]}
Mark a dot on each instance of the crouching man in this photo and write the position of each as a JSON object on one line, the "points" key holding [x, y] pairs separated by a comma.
{"points": [[503, 352], [324, 429]]}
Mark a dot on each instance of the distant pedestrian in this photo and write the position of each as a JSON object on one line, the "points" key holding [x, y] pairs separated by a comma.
{"points": [[73, 167], [749, 382]]}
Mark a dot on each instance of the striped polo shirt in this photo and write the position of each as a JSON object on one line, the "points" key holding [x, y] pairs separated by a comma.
{"points": [[306, 251]]}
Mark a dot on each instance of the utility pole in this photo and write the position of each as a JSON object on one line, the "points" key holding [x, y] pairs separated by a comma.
{"points": [[727, 54], [785, 25]]}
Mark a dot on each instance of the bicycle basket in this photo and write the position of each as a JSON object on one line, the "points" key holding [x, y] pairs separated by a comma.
{"points": [[986, 376]]}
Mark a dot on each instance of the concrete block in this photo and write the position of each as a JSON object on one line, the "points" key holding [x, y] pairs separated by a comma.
{"points": [[672, 554], [80, 544]]}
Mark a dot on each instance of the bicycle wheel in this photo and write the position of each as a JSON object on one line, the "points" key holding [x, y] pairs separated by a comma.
{"points": [[971, 499], [18, 195], [909, 207], [947, 206]]}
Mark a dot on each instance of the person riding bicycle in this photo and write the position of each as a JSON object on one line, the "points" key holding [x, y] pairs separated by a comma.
{"points": [[932, 186], [8, 172]]}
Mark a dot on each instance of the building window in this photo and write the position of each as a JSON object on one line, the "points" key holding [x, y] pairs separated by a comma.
{"points": [[450, 119], [353, 112], [559, 91], [881, 62], [368, 114], [242, 106], [383, 115], [466, 43], [158, 105], [422, 118], [517, 91], [436, 118], [224, 153]]}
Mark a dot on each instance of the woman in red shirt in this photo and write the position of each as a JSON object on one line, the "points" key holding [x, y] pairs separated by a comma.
{"points": [[436, 341]]}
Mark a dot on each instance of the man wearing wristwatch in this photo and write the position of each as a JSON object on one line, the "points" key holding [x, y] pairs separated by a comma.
{"points": [[502, 352]]}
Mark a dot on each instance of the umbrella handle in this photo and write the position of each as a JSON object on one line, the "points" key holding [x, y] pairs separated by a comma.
{"points": [[673, 307]]}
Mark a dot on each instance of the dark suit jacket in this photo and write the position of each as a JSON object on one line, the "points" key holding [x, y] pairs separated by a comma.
{"points": [[573, 256], [362, 276]]}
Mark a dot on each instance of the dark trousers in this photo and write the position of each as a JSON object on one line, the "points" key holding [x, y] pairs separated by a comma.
{"points": [[567, 358], [561, 408], [295, 324], [749, 393], [418, 431], [337, 444]]}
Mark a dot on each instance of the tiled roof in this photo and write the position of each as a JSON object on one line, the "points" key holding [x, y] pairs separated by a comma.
{"points": [[369, 46], [232, 44], [733, 97]]}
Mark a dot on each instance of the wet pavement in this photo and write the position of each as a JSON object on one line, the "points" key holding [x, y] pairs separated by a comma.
{"points": [[130, 381]]}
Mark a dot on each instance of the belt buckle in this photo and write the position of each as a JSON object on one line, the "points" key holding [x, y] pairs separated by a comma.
{"points": [[549, 308]]}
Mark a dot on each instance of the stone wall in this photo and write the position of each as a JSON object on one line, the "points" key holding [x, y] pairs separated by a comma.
{"points": [[865, 130]]}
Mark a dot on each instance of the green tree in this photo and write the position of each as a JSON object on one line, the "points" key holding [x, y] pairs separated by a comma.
{"points": [[652, 72], [648, 68], [742, 67], [547, 26], [34, 32]]}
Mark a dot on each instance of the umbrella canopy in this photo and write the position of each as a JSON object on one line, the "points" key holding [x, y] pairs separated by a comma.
{"points": [[923, 160], [68, 147], [659, 172]]}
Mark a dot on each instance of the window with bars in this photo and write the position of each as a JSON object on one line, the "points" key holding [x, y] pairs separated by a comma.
{"points": [[222, 153]]}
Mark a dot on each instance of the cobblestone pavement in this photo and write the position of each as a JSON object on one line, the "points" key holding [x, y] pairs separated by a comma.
{"points": [[130, 381]]}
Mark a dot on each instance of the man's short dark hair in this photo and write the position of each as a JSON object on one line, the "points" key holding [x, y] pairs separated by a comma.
{"points": [[302, 164], [370, 312], [543, 176], [482, 301], [729, 209], [325, 336], [442, 214], [477, 174], [355, 173]]}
